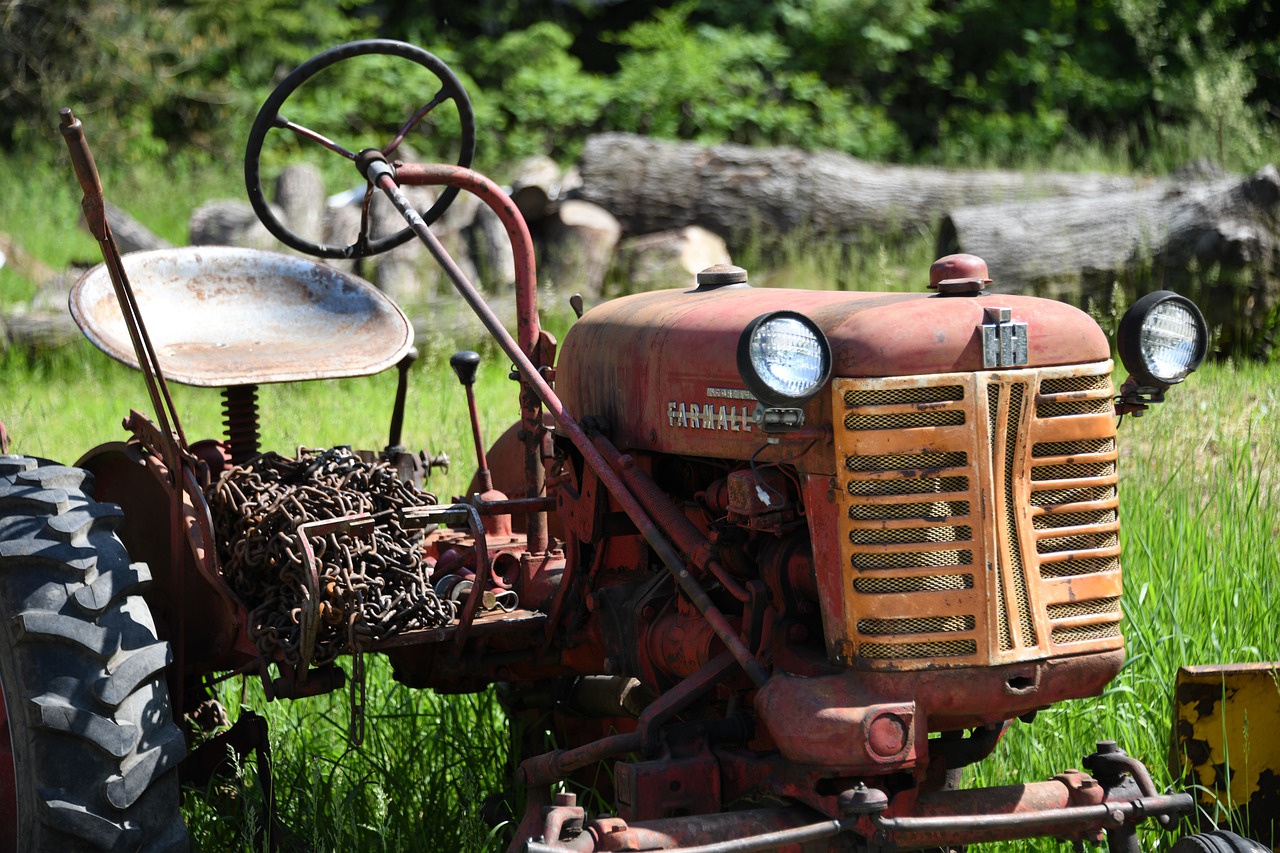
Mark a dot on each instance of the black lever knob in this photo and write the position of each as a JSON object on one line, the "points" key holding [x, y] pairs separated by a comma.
{"points": [[465, 364]]}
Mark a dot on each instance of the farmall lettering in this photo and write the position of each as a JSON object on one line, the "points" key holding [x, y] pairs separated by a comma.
{"points": [[729, 418]]}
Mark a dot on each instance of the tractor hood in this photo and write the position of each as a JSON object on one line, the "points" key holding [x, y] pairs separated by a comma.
{"points": [[661, 367]]}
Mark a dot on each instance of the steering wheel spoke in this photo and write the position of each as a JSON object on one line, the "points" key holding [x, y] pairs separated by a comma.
{"points": [[439, 99], [309, 134], [270, 118]]}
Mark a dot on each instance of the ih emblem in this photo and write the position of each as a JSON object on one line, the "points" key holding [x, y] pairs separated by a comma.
{"points": [[1004, 342]]}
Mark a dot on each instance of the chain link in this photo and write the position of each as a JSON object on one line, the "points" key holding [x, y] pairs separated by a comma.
{"points": [[372, 584]]}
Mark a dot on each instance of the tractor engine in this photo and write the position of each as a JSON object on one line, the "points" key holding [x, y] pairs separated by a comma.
{"points": [[924, 544]]}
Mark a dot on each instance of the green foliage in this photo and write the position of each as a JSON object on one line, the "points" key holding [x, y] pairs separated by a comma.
{"points": [[150, 75], [713, 84], [945, 80], [532, 96]]}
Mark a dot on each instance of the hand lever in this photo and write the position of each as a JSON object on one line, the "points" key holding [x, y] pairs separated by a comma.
{"points": [[465, 364]]}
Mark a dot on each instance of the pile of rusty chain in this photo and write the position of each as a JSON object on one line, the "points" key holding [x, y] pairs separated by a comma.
{"points": [[372, 584]]}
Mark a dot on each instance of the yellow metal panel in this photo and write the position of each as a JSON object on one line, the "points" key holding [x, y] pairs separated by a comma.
{"points": [[1227, 744]]}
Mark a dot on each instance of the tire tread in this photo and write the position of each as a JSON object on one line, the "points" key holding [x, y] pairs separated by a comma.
{"points": [[95, 743]]}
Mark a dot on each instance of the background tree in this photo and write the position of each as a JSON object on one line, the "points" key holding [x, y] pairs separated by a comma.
{"points": [[906, 80]]}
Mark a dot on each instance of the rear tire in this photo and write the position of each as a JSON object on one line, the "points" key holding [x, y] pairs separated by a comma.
{"points": [[85, 716]]}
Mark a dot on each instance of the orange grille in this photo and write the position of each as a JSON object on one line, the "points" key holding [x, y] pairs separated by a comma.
{"points": [[980, 513]]}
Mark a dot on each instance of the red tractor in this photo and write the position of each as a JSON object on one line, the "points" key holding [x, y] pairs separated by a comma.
{"points": [[785, 561]]}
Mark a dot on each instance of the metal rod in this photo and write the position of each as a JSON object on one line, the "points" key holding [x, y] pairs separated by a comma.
{"points": [[173, 444], [764, 841], [95, 214], [958, 829], [402, 391]]}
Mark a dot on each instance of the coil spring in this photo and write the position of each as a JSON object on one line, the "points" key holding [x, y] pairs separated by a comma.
{"points": [[240, 411]]}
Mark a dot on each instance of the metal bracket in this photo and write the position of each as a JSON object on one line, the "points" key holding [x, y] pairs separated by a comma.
{"points": [[1004, 341], [778, 419]]}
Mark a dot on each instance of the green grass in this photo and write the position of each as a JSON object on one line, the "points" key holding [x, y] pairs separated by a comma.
{"points": [[1201, 513]]}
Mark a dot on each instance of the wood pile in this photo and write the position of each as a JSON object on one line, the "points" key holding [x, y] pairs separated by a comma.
{"points": [[639, 214]]}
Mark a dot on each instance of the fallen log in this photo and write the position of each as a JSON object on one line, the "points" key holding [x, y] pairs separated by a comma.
{"points": [[35, 331], [653, 185], [130, 234], [1217, 241]]}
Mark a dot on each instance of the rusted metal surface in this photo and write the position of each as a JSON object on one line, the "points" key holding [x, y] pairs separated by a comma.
{"points": [[836, 721], [539, 388], [223, 316], [660, 368], [1070, 807], [1226, 729], [201, 609], [323, 552], [531, 351], [739, 832], [1033, 810], [959, 274]]}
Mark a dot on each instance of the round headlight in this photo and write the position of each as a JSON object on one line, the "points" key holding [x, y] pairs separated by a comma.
{"points": [[1162, 338], [783, 358]]}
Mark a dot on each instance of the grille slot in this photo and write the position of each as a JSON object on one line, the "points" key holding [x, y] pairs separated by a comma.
{"points": [[912, 535], [1082, 542], [921, 583], [912, 559], [961, 541], [921, 486], [1073, 609], [1077, 567], [1052, 521], [932, 511], [1062, 497], [1083, 471], [1073, 384], [928, 625], [1071, 448], [1066, 408], [903, 396], [1021, 596], [928, 461], [906, 420], [1063, 636]]}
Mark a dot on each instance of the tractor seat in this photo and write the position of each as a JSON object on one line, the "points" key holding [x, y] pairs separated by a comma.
{"points": [[220, 316]]}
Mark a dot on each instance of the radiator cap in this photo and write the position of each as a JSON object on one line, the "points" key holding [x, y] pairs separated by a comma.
{"points": [[955, 274], [720, 275]]}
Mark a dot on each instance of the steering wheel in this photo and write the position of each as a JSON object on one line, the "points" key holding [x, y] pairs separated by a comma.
{"points": [[269, 118]]}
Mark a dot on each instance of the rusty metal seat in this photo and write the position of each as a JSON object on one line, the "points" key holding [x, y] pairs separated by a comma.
{"points": [[221, 316]]}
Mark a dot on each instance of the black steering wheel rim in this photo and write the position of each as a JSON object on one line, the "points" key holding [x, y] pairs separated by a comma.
{"points": [[269, 114]]}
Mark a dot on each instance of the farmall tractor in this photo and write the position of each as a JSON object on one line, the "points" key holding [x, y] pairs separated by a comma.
{"points": [[783, 562]]}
